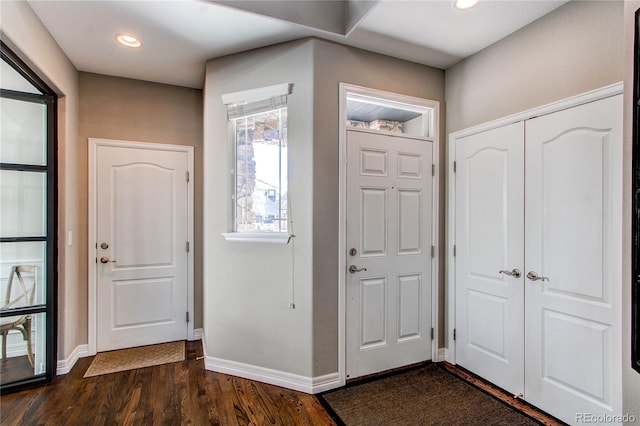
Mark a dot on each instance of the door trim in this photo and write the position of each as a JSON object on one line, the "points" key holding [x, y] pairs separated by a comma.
{"points": [[344, 89], [450, 278], [92, 310]]}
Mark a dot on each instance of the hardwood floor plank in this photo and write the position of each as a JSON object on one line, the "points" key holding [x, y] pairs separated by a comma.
{"points": [[181, 393]]}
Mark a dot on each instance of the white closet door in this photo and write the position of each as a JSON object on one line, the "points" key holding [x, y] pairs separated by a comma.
{"points": [[489, 239], [573, 239]]}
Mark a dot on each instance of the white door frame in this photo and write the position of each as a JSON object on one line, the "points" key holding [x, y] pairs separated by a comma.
{"points": [[594, 95], [409, 101], [92, 250]]}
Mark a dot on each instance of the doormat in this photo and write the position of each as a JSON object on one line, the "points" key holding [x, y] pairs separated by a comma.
{"points": [[422, 396], [130, 359]]}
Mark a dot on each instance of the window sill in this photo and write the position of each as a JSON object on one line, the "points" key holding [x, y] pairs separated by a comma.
{"points": [[257, 237]]}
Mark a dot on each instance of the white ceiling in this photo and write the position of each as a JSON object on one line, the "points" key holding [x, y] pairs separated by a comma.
{"points": [[178, 36]]}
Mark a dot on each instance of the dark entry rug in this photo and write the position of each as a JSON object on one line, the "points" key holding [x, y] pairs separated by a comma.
{"points": [[423, 396]]}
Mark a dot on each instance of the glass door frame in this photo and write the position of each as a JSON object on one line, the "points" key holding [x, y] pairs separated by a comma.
{"points": [[49, 308]]}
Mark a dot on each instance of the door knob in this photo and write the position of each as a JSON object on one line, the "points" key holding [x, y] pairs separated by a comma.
{"points": [[105, 259], [533, 276], [515, 273], [353, 269]]}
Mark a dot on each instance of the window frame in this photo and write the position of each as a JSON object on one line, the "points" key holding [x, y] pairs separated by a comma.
{"points": [[49, 307], [232, 100]]}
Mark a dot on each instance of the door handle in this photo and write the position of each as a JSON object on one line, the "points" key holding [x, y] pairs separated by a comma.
{"points": [[105, 259], [533, 276], [353, 269], [515, 273]]}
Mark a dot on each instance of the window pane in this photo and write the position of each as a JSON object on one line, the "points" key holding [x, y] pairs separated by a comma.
{"points": [[11, 80], [26, 330], [29, 259], [261, 172], [22, 134], [23, 200]]}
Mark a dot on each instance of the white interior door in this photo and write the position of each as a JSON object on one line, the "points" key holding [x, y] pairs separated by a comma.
{"points": [[389, 219], [142, 232], [489, 238], [573, 238]]}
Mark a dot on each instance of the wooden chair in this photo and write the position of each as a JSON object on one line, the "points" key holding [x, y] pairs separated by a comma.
{"points": [[22, 297]]}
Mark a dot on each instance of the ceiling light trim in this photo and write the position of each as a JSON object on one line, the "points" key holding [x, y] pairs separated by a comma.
{"points": [[128, 40], [464, 4]]}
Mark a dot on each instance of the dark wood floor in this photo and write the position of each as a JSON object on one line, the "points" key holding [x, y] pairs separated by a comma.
{"points": [[171, 394], [15, 368]]}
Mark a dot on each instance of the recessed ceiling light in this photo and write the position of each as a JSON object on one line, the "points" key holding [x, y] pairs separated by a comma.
{"points": [[464, 4], [128, 40]]}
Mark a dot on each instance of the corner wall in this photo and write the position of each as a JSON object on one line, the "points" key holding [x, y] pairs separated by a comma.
{"points": [[247, 286]]}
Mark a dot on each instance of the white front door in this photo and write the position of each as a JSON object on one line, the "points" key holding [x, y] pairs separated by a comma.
{"points": [[489, 246], [142, 232], [574, 239], [389, 219]]}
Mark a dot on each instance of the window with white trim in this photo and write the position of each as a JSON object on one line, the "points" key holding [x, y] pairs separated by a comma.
{"points": [[258, 120]]}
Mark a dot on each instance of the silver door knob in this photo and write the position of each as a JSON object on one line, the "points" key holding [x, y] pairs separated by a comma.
{"points": [[353, 269], [533, 276], [105, 259], [515, 273]]}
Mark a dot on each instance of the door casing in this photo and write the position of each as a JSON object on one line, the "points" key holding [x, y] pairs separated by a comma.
{"points": [[346, 89], [92, 252]]}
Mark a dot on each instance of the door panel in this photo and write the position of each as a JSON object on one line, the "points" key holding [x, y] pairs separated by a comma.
{"points": [[142, 220], [573, 239], [489, 239], [389, 208]]}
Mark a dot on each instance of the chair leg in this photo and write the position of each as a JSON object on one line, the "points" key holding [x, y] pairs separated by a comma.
{"points": [[4, 345], [27, 329]]}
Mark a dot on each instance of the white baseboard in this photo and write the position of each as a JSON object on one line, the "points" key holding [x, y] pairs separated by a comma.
{"points": [[449, 356], [310, 385], [296, 382], [65, 365], [197, 334], [441, 355]]}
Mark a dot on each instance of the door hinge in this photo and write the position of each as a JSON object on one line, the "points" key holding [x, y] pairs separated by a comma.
{"points": [[187, 316], [454, 251], [432, 333], [454, 334], [187, 176], [187, 246], [433, 251], [433, 170], [454, 166]]}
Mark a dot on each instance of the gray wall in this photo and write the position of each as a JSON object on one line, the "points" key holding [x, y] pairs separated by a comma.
{"points": [[574, 49], [248, 286], [335, 64], [134, 110], [583, 45]]}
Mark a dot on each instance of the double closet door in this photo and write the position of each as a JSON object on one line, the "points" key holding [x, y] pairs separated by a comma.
{"points": [[538, 234]]}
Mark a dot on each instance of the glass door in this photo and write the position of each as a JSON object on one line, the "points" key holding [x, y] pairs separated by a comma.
{"points": [[27, 226]]}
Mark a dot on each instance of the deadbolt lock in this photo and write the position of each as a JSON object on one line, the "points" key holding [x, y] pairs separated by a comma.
{"points": [[104, 246], [353, 252]]}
